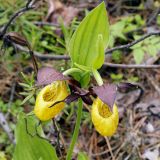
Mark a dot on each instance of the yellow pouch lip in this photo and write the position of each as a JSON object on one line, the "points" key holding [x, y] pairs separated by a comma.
{"points": [[105, 126], [42, 110], [57, 96]]}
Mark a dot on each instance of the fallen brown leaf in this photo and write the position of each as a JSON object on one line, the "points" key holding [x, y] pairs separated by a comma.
{"points": [[57, 10]]}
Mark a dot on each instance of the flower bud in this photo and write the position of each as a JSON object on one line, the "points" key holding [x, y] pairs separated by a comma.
{"points": [[104, 120], [50, 94]]}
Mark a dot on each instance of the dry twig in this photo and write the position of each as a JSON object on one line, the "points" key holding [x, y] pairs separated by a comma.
{"points": [[131, 66], [109, 147], [6, 128]]}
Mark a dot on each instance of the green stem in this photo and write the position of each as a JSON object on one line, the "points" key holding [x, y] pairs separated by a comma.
{"points": [[97, 77], [76, 130], [71, 70]]}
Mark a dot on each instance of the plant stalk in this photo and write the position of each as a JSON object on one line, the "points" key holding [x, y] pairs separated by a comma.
{"points": [[76, 130], [97, 77], [71, 70]]}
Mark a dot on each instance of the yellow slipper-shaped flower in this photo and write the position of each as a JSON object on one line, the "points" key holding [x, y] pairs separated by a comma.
{"points": [[50, 94], [104, 120]]}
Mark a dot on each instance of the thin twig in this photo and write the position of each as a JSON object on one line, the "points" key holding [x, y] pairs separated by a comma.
{"points": [[11, 98], [153, 16], [45, 56], [12, 94], [51, 56], [154, 84], [58, 137], [131, 66], [104, 152], [115, 6], [109, 147], [132, 43], [6, 128], [46, 24]]}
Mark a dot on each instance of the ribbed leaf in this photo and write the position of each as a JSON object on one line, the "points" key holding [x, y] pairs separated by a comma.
{"points": [[100, 50], [31, 147], [83, 46]]}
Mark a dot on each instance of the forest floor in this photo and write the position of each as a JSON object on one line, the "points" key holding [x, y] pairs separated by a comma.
{"points": [[138, 134]]}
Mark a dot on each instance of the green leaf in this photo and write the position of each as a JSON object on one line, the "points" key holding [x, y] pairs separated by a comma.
{"points": [[101, 55], [31, 147], [155, 40], [85, 79], [83, 44], [82, 156], [24, 85], [138, 45], [117, 30], [117, 56], [116, 77], [27, 98], [152, 50], [138, 55]]}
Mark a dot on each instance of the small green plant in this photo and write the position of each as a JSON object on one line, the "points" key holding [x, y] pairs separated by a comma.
{"points": [[14, 109], [133, 79], [29, 89], [149, 46], [117, 77], [117, 56], [119, 29]]}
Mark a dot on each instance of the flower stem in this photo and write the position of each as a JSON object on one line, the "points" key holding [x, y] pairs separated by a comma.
{"points": [[76, 130], [97, 77], [71, 70]]}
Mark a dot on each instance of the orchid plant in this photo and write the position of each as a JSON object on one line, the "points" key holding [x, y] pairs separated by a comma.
{"points": [[86, 49], [87, 52]]}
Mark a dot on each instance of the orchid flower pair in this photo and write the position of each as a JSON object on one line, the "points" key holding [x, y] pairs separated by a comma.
{"points": [[62, 89]]}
